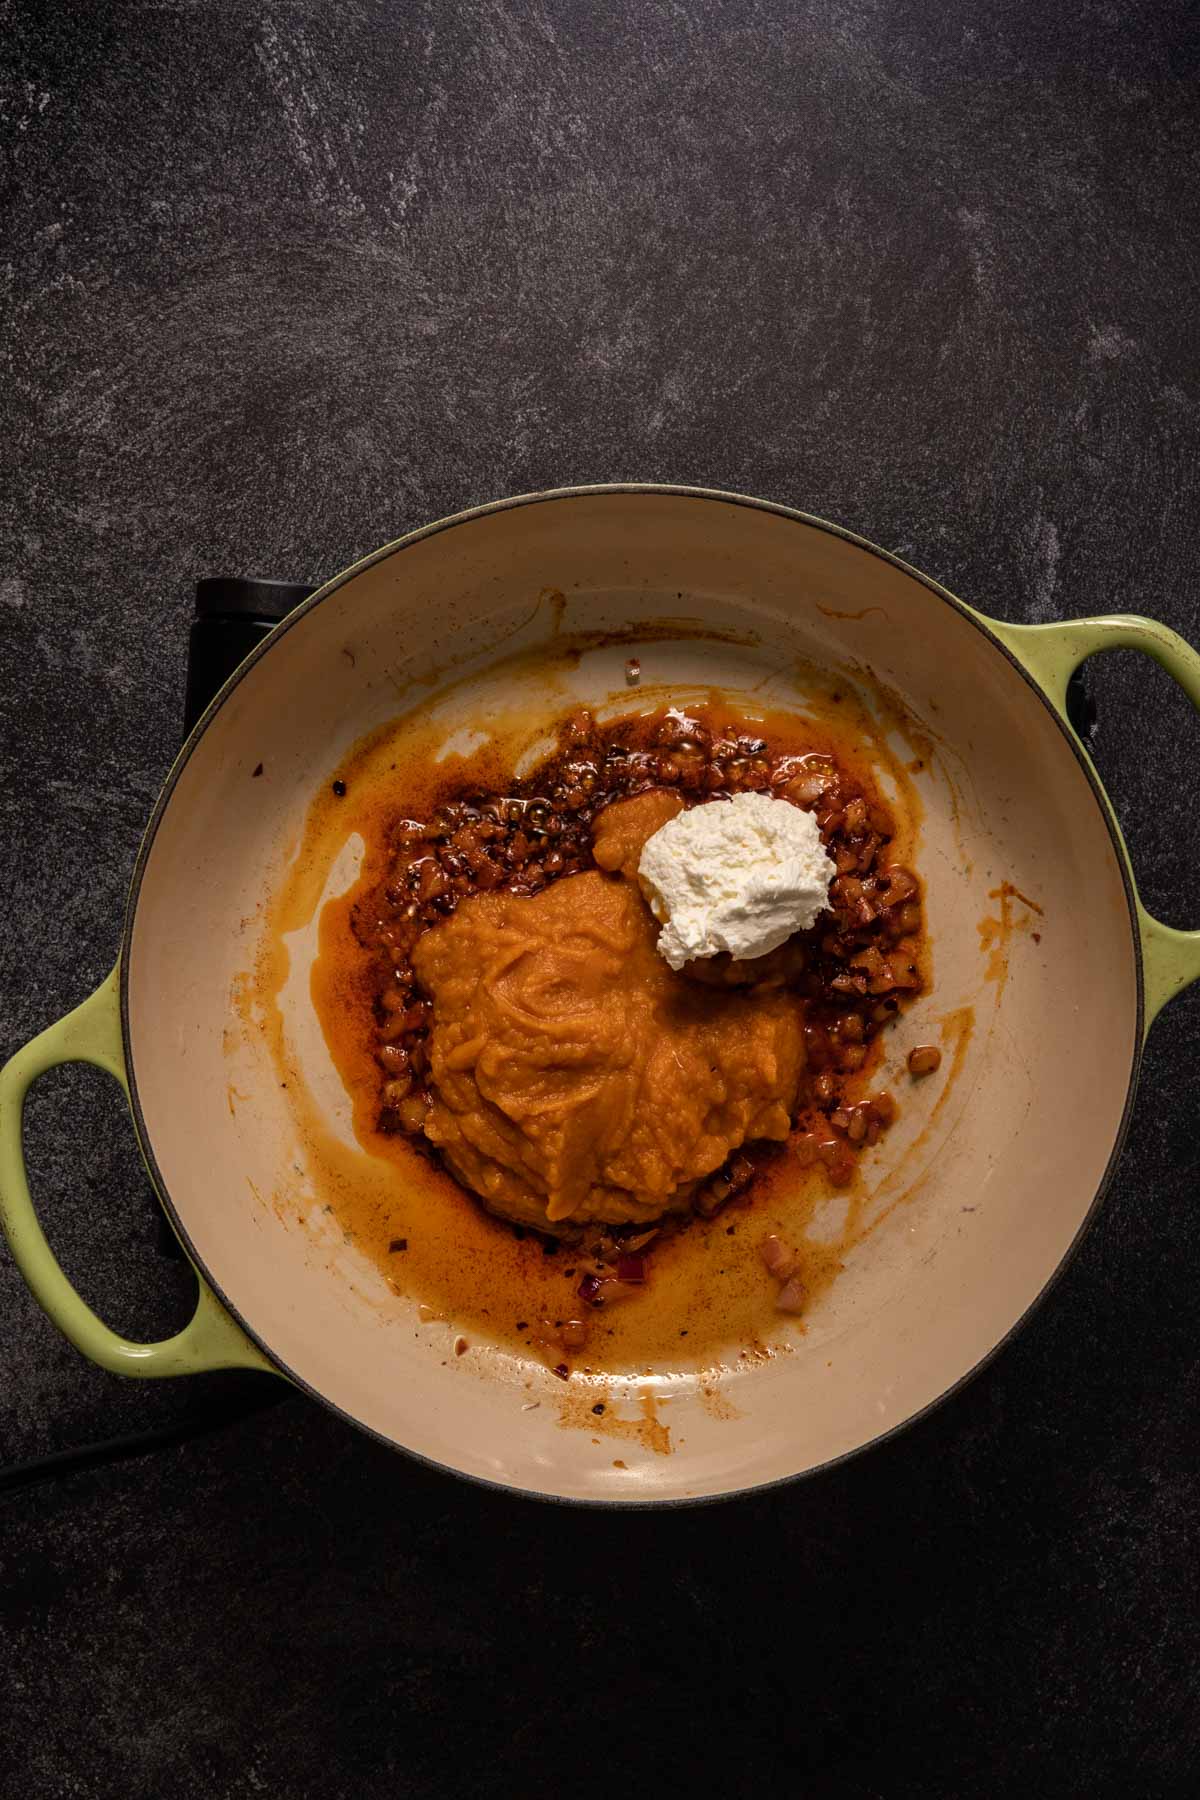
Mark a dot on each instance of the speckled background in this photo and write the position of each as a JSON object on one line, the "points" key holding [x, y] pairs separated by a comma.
{"points": [[280, 282]]}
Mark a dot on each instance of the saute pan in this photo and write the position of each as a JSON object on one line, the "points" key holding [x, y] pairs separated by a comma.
{"points": [[1048, 972]]}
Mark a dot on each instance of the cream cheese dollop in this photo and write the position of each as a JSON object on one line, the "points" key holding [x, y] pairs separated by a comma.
{"points": [[739, 875]]}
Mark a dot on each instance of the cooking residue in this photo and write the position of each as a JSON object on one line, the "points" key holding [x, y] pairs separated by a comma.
{"points": [[996, 934], [833, 612], [468, 1269], [578, 1412]]}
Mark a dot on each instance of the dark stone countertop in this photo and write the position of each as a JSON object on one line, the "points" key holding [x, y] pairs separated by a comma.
{"points": [[279, 282]]}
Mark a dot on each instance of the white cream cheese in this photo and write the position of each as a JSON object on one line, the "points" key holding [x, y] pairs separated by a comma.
{"points": [[739, 875]]}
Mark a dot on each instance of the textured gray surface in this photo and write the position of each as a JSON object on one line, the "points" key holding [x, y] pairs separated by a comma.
{"points": [[279, 282]]}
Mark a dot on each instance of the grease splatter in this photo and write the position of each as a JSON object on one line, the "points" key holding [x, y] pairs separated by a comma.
{"points": [[996, 933], [833, 612], [576, 1412]]}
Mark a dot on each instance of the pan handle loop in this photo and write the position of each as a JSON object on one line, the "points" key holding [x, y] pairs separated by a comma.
{"points": [[1051, 654], [211, 1339]]}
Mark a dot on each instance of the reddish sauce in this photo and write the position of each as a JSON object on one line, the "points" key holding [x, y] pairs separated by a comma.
{"points": [[705, 1290]]}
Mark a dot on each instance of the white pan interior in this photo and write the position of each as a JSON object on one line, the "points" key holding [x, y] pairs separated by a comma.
{"points": [[1008, 1169]]}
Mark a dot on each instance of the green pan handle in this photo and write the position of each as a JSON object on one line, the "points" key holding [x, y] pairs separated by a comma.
{"points": [[211, 1340], [1051, 654]]}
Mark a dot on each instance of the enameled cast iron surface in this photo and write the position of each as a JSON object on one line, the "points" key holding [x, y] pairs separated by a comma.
{"points": [[996, 1189]]}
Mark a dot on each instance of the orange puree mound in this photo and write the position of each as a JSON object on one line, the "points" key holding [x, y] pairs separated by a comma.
{"points": [[575, 1076], [622, 831]]}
